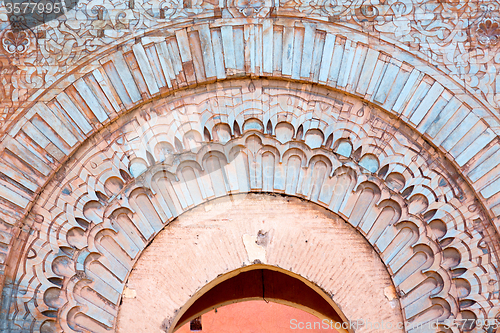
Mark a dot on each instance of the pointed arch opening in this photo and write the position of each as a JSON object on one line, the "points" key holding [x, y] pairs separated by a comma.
{"points": [[261, 282]]}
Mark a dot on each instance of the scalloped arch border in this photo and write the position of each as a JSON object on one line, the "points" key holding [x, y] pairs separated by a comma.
{"points": [[70, 205]]}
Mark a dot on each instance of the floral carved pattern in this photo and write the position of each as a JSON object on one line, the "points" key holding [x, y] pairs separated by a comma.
{"points": [[488, 33], [445, 33], [16, 43], [249, 7]]}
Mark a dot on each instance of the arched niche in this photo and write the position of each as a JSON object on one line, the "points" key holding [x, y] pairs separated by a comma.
{"points": [[261, 282], [258, 246]]}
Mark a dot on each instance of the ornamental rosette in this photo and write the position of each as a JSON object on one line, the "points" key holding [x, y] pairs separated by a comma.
{"points": [[488, 32], [16, 43]]}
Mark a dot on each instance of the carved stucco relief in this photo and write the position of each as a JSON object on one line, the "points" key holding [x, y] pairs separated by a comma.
{"points": [[157, 65], [459, 38], [101, 94], [94, 219]]}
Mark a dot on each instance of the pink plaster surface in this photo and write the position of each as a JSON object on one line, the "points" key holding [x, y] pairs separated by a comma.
{"points": [[257, 317]]}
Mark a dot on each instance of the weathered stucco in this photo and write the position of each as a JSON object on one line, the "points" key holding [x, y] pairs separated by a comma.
{"points": [[120, 119], [302, 238]]}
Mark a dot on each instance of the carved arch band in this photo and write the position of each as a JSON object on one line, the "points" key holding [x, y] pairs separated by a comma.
{"points": [[392, 162], [246, 136]]}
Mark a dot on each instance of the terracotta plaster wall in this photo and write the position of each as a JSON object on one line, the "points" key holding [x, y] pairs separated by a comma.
{"points": [[221, 236], [259, 317]]}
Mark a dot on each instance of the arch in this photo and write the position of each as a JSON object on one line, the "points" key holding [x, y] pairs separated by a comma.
{"points": [[397, 86], [56, 190], [262, 238], [262, 282], [396, 221]]}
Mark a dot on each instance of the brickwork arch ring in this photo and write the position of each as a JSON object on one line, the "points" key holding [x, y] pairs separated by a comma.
{"points": [[96, 217]]}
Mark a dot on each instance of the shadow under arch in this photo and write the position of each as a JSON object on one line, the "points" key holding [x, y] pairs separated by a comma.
{"points": [[262, 282]]}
